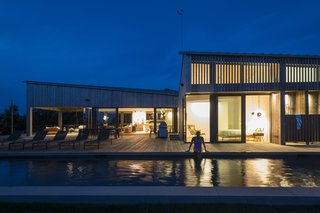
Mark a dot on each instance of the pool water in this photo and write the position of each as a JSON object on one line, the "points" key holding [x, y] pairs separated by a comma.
{"points": [[289, 172]]}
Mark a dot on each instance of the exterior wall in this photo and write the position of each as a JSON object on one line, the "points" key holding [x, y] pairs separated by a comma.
{"points": [[242, 86], [183, 87], [47, 95], [271, 74], [63, 96]]}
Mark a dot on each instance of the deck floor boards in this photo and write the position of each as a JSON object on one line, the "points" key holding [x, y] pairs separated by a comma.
{"points": [[145, 143]]}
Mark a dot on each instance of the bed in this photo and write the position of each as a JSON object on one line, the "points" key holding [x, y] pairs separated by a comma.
{"points": [[230, 133]]}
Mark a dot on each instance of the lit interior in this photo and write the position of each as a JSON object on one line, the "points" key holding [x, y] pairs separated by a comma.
{"points": [[229, 118], [295, 103], [139, 117], [198, 116], [258, 118]]}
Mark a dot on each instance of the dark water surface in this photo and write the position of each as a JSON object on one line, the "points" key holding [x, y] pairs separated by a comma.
{"points": [[287, 172]]}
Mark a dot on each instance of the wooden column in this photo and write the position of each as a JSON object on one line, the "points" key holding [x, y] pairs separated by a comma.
{"points": [[117, 117], [175, 119], [94, 112], [282, 103], [29, 121], [155, 120], [213, 75], [213, 118], [282, 118], [60, 120], [306, 106], [243, 118]]}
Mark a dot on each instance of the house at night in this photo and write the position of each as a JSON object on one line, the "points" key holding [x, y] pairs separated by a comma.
{"points": [[235, 98]]}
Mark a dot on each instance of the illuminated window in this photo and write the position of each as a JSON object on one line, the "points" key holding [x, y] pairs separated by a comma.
{"points": [[229, 118], [198, 116], [107, 117], [301, 73], [314, 104], [166, 115], [200, 73], [295, 103], [261, 73], [228, 73]]}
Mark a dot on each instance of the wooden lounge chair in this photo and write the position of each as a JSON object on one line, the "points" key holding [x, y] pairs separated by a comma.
{"points": [[103, 135], [13, 137], [39, 136], [61, 135], [82, 136]]}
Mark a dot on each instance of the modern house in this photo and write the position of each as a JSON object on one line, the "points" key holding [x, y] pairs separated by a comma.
{"points": [[250, 97], [228, 97]]}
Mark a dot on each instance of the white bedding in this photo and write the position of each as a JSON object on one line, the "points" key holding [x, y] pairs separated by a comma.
{"points": [[230, 133]]}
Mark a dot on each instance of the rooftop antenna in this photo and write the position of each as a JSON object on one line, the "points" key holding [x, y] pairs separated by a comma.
{"points": [[180, 13]]}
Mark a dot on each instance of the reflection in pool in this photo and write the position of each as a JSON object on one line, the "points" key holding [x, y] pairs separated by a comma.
{"points": [[287, 172]]}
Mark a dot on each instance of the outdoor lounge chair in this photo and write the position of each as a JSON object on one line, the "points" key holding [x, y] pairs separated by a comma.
{"points": [[61, 135], [82, 136], [13, 137], [103, 135], [39, 136]]}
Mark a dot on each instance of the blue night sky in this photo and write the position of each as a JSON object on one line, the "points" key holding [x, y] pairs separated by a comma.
{"points": [[136, 43]]}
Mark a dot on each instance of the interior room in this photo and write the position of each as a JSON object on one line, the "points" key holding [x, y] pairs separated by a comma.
{"points": [[229, 119], [136, 120], [198, 116], [258, 118]]}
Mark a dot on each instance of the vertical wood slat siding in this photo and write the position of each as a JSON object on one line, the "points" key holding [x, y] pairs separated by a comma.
{"points": [[262, 72], [200, 73], [61, 96], [310, 128]]}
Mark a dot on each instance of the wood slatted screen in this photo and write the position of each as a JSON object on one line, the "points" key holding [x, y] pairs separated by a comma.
{"points": [[228, 73], [200, 73], [261, 73], [301, 73]]}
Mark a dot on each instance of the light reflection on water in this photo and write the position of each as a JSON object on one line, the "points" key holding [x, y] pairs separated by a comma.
{"points": [[178, 172]]}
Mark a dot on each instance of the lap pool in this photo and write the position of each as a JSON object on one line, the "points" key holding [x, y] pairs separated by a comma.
{"points": [[287, 172]]}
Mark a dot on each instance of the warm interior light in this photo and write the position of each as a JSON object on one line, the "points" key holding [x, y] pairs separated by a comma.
{"points": [[200, 109], [169, 115], [286, 99], [139, 117], [258, 122]]}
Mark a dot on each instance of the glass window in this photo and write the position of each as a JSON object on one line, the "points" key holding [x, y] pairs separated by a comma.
{"points": [[258, 118], [313, 100], [166, 115], [229, 118], [295, 103], [198, 116], [107, 117]]}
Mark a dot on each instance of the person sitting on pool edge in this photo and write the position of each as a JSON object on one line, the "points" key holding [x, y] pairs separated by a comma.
{"points": [[197, 140]]}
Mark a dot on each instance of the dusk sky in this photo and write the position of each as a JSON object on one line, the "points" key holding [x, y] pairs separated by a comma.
{"points": [[136, 43]]}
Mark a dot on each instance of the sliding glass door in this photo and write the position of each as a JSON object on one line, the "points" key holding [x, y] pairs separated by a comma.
{"points": [[229, 119]]}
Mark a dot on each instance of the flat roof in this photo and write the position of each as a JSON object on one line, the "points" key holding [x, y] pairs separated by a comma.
{"points": [[248, 54], [120, 89]]}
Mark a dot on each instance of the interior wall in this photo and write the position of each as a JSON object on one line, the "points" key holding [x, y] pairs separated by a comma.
{"points": [[198, 116], [275, 119], [258, 118], [229, 118]]}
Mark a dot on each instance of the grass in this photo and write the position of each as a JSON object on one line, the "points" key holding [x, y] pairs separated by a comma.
{"points": [[154, 208]]}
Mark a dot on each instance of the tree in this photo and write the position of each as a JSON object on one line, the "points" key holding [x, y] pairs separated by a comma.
{"points": [[19, 122]]}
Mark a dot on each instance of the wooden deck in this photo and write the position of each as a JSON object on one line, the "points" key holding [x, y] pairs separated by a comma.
{"points": [[142, 143]]}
